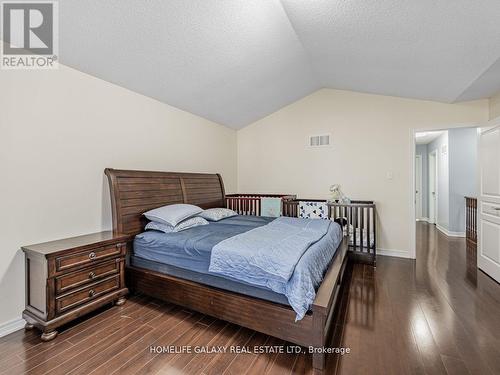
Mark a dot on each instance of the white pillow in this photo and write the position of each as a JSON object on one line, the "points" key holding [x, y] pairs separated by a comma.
{"points": [[173, 214], [183, 225], [216, 214]]}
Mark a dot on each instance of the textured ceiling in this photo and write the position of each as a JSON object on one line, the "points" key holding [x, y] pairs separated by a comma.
{"points": [[235, 61], [424, 49]]}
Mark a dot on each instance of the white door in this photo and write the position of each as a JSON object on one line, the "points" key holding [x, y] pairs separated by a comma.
{"points": [[432, 187], [418, 186], [489, 202]]}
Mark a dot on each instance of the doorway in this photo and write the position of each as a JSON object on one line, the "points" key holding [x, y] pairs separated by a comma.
{"points": [[444, 171]]}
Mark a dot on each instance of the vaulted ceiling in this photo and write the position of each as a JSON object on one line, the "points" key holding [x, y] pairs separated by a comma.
{"points": [[235, 61]]}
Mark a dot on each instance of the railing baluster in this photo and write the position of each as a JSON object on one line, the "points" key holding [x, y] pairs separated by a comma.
{"points": [[471, 219]]}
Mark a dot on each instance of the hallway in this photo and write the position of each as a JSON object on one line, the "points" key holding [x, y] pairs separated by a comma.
{"points": [[438, 315]]}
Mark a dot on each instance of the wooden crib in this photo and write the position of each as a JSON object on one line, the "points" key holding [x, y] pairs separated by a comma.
{"points": [[357, 217]]}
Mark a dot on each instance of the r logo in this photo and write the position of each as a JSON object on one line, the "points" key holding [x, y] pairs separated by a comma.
{"points": [[28, 28]]}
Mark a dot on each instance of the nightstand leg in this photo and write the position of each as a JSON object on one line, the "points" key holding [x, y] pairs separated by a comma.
{"points": [[120, 301], [47, 336], [28, 326]]}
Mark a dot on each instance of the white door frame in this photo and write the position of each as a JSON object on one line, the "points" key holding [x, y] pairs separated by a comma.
{"points": [[412, 245], [434, 217], [418, 187]]}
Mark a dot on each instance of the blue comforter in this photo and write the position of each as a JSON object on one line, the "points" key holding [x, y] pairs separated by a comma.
{"points": [[268, 256], [191, 248]]}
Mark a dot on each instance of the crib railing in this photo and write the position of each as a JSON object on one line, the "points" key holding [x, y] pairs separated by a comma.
{"points": [[249, 204], [357, 218], [471, 219]]}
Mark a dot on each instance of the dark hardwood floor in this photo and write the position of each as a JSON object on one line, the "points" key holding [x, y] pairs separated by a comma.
{"points": [[438, 315]]}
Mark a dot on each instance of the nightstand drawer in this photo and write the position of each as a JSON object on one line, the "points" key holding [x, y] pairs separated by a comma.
{"points": [[87, 294], [86, 276], [88, 257]]}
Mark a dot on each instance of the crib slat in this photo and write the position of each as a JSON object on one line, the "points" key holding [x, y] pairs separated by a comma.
{"points": [[354, 227], [361, 227], [368, 229]]}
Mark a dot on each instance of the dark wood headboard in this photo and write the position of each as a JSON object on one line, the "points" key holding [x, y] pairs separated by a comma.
{"points": [[135, 192]]}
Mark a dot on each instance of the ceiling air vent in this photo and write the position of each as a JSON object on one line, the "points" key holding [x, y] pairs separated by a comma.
{"points": [[319, 140]]}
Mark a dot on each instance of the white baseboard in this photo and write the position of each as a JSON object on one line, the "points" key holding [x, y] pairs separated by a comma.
{"points": [[11, 326], [393, 253], [449, 233], [456, 234]]}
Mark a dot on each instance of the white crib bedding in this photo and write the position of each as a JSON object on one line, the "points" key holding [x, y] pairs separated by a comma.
{"points": [[358, 237]]}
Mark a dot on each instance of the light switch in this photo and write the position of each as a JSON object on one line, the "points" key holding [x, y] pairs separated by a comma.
{"points": [[390, 175]]}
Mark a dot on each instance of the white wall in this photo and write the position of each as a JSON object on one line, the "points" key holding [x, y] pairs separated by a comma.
{"points": [[495, 106], [58, 131], [371, 137], [441, 146], [462, 174]]}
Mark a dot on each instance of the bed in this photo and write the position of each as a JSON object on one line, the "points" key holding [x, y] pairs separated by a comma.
{"points": [[189, 285]]}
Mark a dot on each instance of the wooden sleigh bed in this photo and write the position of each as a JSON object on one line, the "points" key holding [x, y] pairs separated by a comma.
{"points": [[134, 192]]}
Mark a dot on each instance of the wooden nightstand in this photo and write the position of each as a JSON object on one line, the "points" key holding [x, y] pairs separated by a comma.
{"points": [[68, 278]]}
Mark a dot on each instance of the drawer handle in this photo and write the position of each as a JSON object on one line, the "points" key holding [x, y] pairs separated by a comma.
{"points": [[91, 275], [91, 293], [92, 255]]}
